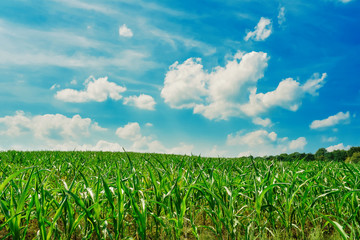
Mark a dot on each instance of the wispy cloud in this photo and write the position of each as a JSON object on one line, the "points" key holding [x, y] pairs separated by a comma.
{"points": [[87, 6], [23, 46], [331, 121], [176, 40], [156, 7], [262, 30], [281, 16]]}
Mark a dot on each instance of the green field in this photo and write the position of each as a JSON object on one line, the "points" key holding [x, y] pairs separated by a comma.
{"points": [[99, 195]]}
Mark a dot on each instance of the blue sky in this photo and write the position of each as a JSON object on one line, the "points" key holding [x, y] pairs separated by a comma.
{"points": [[216, 78]]}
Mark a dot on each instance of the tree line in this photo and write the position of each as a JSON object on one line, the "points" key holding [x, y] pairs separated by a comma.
{"points": [[349, 156]]}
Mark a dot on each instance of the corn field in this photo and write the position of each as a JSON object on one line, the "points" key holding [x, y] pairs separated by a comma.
{"points": [[99, 195]]}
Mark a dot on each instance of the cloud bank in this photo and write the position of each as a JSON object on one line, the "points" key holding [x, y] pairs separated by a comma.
{"points": [[141, 143], [48, 126], [262, 142]]}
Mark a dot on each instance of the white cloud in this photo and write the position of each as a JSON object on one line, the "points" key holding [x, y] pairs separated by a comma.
{"points": [[95, 90], [224, 92], [251, 139], [262, 122], [281, 16], [48, 126], [140, 143], [314, 84], [131, 131], [262, 142], [287, 95], [262, 30], [216, 152], [216, 94], [299, 143], [331, 121], [184, 84], [339, 146], [124, 31], [101, 145], [143, 101], [127, 59]]}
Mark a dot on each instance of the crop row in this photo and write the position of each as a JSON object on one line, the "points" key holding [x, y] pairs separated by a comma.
{"points": [[87, 195]]}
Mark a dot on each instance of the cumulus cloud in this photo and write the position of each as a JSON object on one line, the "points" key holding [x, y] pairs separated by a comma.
{"points": [[131, 131], [339, 146], [331, 121], [143, 101], [231, 90], [141, 143], [48, 126], [214, 94], [262, 30], [281, 16], [95, 90], [287, 95], [124, 31], [299, 143], [262, 142], [185, 84]]}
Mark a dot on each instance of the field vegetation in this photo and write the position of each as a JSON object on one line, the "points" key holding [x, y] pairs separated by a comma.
{"points": [[101, 195]]}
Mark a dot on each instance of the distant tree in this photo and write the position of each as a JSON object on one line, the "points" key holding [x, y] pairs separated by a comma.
{"points": [[339, 155], [355, 158], [353, 150], [320, 154], [310, 157], [329, 156], [283, 157]]}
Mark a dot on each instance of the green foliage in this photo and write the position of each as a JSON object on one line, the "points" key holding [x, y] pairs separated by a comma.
{"points": [[100, 195], [355, 158]]}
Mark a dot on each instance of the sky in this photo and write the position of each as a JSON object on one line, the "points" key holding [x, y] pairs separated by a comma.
{"points": [[216, 78]]}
